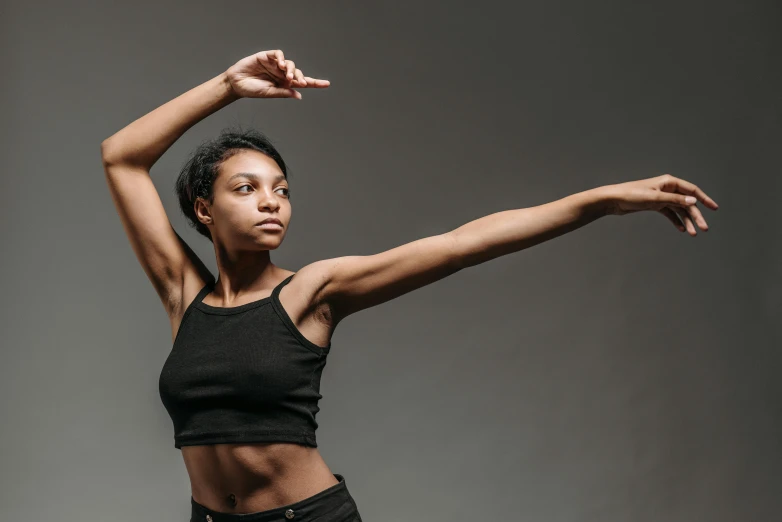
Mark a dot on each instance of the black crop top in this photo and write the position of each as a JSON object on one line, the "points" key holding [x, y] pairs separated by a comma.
{"points": [[242, 374]]}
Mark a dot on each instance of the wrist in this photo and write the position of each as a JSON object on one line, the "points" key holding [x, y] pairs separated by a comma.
{"points": [[228, 92], [599, 200]]}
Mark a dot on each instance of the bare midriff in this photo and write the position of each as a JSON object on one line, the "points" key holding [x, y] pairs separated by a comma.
{"points": [[246, 478]]}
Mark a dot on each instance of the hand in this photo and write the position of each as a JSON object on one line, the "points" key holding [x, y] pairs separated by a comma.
{"points": [[268, 75], [672, 197]]}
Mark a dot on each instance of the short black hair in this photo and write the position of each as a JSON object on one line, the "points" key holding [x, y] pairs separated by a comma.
{"points": [[197, 176]]}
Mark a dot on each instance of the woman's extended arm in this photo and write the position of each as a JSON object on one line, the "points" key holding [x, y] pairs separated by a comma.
{"points": [[509, 231], [352, 283]]}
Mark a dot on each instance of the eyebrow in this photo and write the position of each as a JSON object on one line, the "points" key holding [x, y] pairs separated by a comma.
{"points": [[253, 176]]}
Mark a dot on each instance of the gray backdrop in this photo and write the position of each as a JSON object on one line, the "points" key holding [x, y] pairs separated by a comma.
{"points": [[624, 371]]}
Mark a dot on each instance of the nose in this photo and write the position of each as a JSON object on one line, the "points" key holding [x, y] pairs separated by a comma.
{"points": [[267, 201]]}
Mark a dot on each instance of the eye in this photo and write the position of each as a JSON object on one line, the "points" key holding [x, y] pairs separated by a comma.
{"points": [[287, 191], [238, 190]]}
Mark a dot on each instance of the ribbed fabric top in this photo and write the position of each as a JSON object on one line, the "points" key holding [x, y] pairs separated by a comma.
{"points": [[242, 374]]}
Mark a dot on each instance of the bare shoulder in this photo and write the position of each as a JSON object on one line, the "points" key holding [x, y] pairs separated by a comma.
{"points": [[302, 299], [305, 289]]}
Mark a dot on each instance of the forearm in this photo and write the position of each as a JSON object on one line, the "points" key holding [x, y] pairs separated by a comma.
{"points": [[143, 142], [509, 231]]}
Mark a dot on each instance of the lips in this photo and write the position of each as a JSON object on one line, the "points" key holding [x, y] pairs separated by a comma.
{"points": [[270, 220]]}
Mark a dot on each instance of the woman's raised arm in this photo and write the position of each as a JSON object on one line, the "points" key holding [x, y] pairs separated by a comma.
{"points": [[144, 141], [129, 154], [266, 74]]}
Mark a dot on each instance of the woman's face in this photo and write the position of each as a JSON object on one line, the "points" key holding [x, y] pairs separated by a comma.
{"points": [[250, 187]]}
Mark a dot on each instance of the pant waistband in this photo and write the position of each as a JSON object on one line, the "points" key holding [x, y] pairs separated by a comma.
{"points": [[318, 504]]}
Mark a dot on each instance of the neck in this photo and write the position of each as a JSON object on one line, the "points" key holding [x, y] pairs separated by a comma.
{"points": [[243, 272]]}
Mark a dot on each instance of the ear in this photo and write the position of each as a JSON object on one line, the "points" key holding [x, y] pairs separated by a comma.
{"points": [[202, 211]]}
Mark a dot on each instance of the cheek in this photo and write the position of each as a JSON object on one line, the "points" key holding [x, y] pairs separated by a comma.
{"points": [[231, 217]]}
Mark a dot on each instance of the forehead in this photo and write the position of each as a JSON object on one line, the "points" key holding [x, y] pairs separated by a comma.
{"points": [[250, 164]]}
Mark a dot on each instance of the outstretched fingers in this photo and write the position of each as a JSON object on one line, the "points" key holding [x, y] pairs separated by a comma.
{"points": [[683, 196], [286, 71], [697, 216], [315, 82], [673, 184], [673, 217], [305, 81], [684, 206], [685, 217]]}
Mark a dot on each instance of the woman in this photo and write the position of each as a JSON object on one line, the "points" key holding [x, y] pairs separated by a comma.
{"points": [[241, 382]]}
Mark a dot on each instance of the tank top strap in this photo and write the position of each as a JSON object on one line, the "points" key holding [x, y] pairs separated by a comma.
{"points": [[203, 292], [276, 291]]}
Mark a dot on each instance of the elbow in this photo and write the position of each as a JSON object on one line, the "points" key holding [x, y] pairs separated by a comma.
{"points": [[107, 153], [113, 155]]}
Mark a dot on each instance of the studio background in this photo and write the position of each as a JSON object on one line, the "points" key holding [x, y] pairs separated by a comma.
{"points": [[624, 371]]}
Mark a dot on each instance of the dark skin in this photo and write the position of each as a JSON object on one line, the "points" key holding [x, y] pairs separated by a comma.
{"points": [[231, 478], [246, 478]]}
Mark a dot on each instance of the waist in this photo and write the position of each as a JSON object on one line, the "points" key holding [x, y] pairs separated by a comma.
{"points": [[251, 477]]}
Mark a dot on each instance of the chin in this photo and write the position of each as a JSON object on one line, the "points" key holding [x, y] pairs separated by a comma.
{"points": [[272, 244]]}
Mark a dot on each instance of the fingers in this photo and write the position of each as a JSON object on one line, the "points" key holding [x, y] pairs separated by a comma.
{"points": [[314, 82], [286, 70], [685, 217], [695, 212], [671, 198], [279, 57], [673, 216], [686, 209], [305, 81], [290, 70], [272, 56], [685, 204], [281, 70], [679, 215], [300, 78], [282, 92], [271, 60], [672, 183]]}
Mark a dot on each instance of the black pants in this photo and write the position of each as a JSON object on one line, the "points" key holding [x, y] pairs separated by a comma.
{"points": [[333, 504]]}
